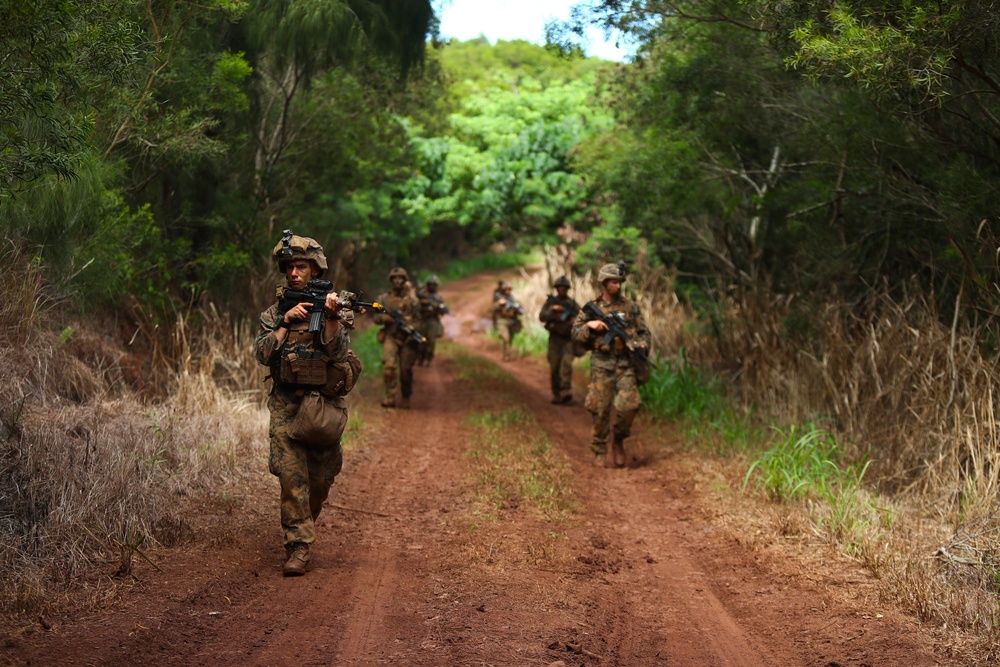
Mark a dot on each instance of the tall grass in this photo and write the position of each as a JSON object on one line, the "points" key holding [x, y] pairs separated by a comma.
{"points": [[92, 476]]}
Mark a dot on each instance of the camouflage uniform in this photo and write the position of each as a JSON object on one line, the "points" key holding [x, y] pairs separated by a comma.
{"points": [[508, 321], [399, 353], [305, 473], [431, 310], [612, 378], [561, 345]]}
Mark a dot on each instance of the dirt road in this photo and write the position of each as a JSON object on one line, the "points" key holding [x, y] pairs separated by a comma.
{"points": [[409, 574]]}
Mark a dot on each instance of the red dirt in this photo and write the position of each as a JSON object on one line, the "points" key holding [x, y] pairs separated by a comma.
{"points": [[645, 575]]}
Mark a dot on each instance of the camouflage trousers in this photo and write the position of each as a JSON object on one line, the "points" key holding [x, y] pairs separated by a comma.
{"points": [[304, 473], [397, 367], [507, 328], [560, 357], [432, 330], [612, 385]]}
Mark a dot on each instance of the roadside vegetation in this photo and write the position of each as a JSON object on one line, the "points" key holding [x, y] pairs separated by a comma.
{"points": [[805, 197]]}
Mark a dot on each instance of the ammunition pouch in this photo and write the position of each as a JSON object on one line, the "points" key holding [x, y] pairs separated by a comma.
{"points": [[641, 366], [341, 376], [302, 366]]}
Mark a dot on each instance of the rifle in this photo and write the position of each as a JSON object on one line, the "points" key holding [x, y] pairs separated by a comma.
{"points": [[567, 313], [617, 325], [400, 323], [436, 300], [315, 296], [511, 302]]}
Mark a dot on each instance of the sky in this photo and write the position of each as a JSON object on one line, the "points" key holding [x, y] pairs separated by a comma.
{"points": [[514, 19]]}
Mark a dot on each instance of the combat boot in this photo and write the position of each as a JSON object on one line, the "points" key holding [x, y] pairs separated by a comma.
{"points": [[299, 561], [388, 403], [600, 460], [404, 403], [618, 451]]}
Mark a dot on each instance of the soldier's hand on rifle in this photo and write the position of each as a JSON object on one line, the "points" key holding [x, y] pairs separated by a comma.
{"points": [[332, 305], [297, 313], [558, 308], [597, 325]]}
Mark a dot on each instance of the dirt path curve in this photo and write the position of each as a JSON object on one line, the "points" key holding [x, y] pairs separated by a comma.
{"points": [[404, 578]]}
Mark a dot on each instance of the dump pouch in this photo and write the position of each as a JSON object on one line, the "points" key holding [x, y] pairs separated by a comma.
{"points": [[319, 422]]}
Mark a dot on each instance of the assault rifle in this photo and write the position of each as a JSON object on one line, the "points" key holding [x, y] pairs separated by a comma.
{"points": [[314, 295], [436, 300], [568, 311], [511, 302], [400, 323], [617, 328]]}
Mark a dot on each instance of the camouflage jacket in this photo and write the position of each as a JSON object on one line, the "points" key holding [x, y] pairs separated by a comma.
{"points": [[559, 322], [267, 351], [636, 327], [406, 303]]}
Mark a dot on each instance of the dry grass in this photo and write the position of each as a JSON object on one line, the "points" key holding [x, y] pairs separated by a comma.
{"points": [[91, 476], [920, 398]]}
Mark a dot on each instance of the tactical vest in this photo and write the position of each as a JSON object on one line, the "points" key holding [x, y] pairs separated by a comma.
{"points": [[303, 364]]}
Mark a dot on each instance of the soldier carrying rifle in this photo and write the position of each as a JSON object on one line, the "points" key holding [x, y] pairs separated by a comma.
{"points": [[612, 327], [558, 314], [431, 310], [302, 339], [399, 337], [507, 314]]}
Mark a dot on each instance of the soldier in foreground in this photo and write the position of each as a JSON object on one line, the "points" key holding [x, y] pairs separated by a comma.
{"points": [[431, 310], [558, 314], [399, 337], [311, 368], [613, 328], [507, 315]]}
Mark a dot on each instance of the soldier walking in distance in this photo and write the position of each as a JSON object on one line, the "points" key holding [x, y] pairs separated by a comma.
{"points": [[399, 337], [613, 381], [558, 314], [431, 310], [507, 315], [304, 365]]}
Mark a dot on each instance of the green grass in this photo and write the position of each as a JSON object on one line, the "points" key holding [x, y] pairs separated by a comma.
{"points": [[466, 267], [368, 349], [533, 339], [680, 391], [515, 461]]}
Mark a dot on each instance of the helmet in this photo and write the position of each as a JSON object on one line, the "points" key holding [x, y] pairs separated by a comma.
{"points": [[612, 272], [398, 272], [299, 247], [562, 281], [502, 285], [432, 280]]}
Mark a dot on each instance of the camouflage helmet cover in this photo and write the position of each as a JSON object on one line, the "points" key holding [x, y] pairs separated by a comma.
{"points": [[398, 272], [562, 281], [432, 280], [292, 247], [611, 272]]}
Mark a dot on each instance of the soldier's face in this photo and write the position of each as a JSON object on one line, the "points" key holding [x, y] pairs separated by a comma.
{"points": [[397, 282], [298, 272], [562, 290], [613, 286]]}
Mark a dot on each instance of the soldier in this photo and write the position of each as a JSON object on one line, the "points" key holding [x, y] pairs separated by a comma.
{"points": [[431, 310], [507, 315], [305, 470], [399, 338], [612, 375], [558, 314]]}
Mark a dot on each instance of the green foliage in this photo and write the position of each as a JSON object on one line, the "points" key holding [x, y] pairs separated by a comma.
{"points": [[804, 462], [368, 349], [461, 268], [533, 339]]}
